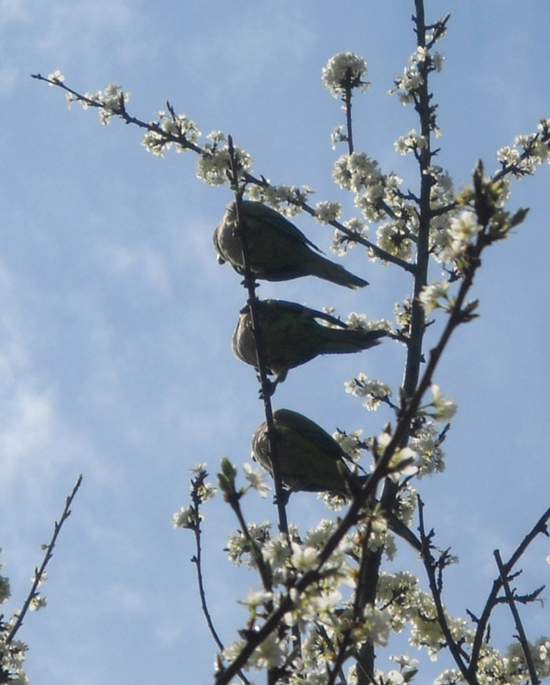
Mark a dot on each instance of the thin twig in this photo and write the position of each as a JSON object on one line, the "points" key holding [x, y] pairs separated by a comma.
{"points": [[540, 528], [263, 568], [197, 560], [429, 565], [517, 620], [347, 106], [39, 572]]}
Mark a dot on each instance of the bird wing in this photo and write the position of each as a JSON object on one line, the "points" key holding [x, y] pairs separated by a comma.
{"points": [[310, 430], [261, 212], [306, 312]]}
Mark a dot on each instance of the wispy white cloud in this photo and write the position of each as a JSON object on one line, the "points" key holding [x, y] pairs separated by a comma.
{"points": [[8, 78], [38, 447], [140, 261], [13, 11], [250, 41], [66, 21]]}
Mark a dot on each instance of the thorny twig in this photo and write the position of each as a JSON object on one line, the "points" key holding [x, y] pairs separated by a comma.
{"points": [[517, 620], [435, 587], [197, 560], [39, 572], [539, 528]]}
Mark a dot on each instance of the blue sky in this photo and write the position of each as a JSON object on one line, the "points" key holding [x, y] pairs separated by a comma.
{"points": [[116, 319]]}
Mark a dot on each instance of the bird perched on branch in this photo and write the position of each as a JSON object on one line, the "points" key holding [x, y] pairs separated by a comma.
{"points": [[277, 249], [291, 335], [309, 458]]}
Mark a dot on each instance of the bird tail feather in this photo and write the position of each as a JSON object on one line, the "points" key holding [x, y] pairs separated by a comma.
{"points": [[324, 268]]}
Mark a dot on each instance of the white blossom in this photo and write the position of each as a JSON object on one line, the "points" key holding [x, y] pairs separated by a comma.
{"points": [[375, 390], [430, 455], [214, 163], [270, 653], [345, 70], [38, 602], [411, 142], [276, 551], [445, 408], [5, 591], [355, 172], [376, 625], [392, 239], [431, 296], [437, 61], [337, 136], [317, 536], [327, 211], [350, 443], [449, 676], [256, 479], [257, 599], [303, 558], [186, 517], [56, 77], [403, 462], [287, 200]]}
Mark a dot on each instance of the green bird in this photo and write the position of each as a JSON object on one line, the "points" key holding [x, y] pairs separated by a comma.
{"points": [[291, 335], [309, 458], [278, 250]]}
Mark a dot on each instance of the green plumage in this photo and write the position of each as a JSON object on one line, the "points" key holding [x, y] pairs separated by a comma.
{"points": [[291, 335], [278, 251], [309, 458]]}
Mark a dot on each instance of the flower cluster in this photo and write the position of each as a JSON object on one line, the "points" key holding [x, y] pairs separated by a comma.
{"points": [[426, 442], [214, 163], [12, 658], [5, 591], [527, 152], [344, 72], [412, 142], [461, 233], [342, 241], [394, 237], [325, 212], [201, 491], [361, 175], [422, 62], [442, 409], [435, 296], [110, 102], [351, 443], [169, 130], [375, 391], [56, 78], [321, 612], [380, 199], [12, 652], [288, 200], [403, 461], [359, 322]]}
